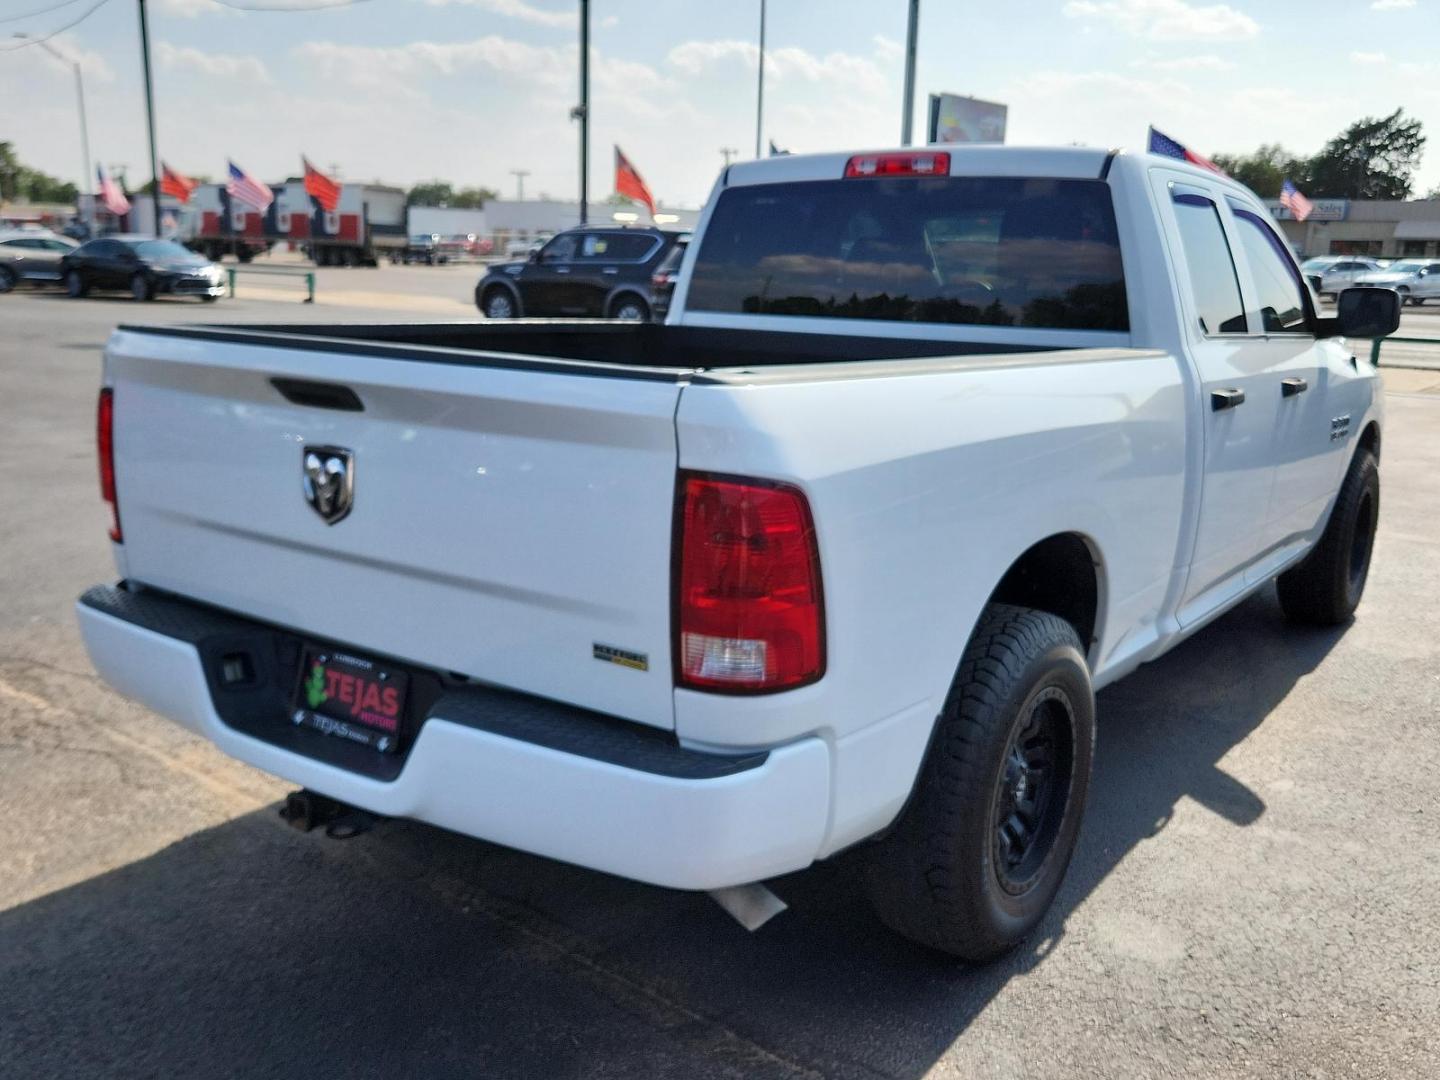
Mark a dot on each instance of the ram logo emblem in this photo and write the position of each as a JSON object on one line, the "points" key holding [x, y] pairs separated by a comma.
{"points": [[329, 481]]}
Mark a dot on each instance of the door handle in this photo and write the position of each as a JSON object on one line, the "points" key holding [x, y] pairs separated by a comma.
{"points": [[1226, 399], [1291, 387], [562, 269], [611, 270]]}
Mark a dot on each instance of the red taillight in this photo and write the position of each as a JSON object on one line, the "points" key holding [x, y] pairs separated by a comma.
{"points": [[105, 446], [917, 163], [748, 610]]}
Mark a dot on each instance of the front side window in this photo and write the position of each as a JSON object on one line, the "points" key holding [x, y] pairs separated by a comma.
{"points": [[561, 249], [1282, 309], [1002, 251], [1213, 280]]}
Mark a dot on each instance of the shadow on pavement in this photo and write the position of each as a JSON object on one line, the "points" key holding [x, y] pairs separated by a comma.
{"points": [[252, 950]]}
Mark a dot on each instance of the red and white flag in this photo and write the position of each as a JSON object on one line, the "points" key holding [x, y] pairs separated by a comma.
{"points": [[111, 197], [1299, 206], [324, 190], [247, 189], [175, 184], [629, 184]]}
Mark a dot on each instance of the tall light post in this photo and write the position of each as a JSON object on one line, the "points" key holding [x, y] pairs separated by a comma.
{"points": [[907, 121], [519, 175], [729, 153], [760, 85], [86, 178], [150, 114], [581, 112]]}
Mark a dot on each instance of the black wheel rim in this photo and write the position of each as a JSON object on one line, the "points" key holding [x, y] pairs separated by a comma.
{"points": [[1363, 541], [1033, 790]]}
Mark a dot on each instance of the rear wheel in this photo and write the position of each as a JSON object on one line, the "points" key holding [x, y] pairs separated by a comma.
{"points": [[629, 308], [497, 303], [1326, 587], [7, 279], [978, 855], [75, 283]]}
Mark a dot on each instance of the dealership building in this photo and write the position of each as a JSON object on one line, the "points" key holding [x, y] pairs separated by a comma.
{"points": [[1376, 227]]}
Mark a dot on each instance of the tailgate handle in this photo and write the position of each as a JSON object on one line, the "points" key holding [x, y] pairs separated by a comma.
{"points": [[318, 395]]}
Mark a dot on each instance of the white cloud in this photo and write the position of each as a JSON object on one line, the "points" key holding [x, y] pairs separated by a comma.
{"points": [[1168, 20], [1367, 58], [1205, 62], [857, 72], [518, 9], [1391, 5], [215, 65], [887, 49]]}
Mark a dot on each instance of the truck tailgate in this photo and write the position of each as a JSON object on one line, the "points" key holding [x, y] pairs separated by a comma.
{"points": [[511, 525]]}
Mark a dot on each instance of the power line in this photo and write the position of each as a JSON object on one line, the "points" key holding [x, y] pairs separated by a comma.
{"points": [[53, 33], [282, 7], [39, 11]]}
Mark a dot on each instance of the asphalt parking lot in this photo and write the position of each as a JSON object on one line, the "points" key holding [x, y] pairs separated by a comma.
{"points": [[1254, 893]]}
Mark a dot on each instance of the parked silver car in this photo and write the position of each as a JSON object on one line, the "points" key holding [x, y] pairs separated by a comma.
{"points": [[1416, 280], [1338, 276], [31, 255]]}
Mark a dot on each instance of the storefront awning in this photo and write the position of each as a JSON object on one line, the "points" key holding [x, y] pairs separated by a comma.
{"points": [[1417, 230]]}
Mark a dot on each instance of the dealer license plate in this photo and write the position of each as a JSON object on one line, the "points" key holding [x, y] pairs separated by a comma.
{"points": [[350, 697]]}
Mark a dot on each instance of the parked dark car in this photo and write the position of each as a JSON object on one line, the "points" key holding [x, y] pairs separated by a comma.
{"points": [[27, 255], [593, 271], [142, 265], [662, 281], [423, 248]]}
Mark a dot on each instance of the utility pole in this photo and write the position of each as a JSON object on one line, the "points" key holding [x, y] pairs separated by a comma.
{"points": [[581, 112], [760, 86], [519, 175], [907, 120], [150, 113], [728, 153], [87, 178]]}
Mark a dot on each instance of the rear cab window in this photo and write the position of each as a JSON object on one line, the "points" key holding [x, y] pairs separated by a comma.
{"points": [[993, 251]]}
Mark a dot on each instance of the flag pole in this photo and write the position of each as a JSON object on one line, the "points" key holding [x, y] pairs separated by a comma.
{"points": [[907, 121], [760, 85], [150, 113], [584, 111]]}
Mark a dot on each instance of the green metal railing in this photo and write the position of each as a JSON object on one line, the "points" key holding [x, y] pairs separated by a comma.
{"points": [[1375, 345], [308, 275]]}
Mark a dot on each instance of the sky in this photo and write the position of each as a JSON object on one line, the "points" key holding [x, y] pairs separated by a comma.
{"points": [[467, 90]]}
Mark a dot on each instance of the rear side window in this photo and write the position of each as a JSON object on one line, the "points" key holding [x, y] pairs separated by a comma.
{"points": [[989, 251], [1276, 285], [1213, 279], [616, 247]]}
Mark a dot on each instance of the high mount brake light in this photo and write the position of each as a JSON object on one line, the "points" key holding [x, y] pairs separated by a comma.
{"points": [[749, 616], [105, 451], [917, 163]]}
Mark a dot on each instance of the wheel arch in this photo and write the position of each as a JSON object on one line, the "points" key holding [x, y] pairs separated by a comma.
{"points": [[1370, 439], [627, 289], [1064, 575]]}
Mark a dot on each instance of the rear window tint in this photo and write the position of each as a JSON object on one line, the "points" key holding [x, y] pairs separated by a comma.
{"points": [[988, 251]]}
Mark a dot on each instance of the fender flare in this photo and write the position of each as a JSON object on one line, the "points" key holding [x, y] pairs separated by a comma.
{"points": [[488, 283]]}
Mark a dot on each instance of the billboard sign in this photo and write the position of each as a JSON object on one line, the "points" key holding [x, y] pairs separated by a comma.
{"points": [[958, 119]]}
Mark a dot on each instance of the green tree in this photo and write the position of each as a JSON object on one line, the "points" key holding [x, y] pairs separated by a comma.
{"points": [[1264, 170], [473, 198], [1374, 158], [430, 193], [18, 181], [11, 171]]}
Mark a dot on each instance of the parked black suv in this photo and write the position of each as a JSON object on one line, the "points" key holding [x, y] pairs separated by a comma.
{"points": [[593, 271]]}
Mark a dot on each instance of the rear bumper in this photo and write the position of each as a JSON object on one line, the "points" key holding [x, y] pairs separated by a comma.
{"points": [[517, 771]]}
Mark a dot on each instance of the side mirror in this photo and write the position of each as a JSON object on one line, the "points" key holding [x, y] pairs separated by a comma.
{"points": [[1366, 313], [534, 256]]}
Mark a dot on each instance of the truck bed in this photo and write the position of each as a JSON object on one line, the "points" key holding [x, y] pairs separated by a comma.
{"points": [[627, 350]]}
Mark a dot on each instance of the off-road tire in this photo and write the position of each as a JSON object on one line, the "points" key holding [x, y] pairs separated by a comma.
{"points": [[935, 878], [1325, 588]]}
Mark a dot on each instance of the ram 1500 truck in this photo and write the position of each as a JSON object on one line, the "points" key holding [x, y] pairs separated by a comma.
{"points": [[934, 444]]}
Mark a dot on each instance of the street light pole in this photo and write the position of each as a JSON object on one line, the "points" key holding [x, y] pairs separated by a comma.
{"points": [[760, 85], [519, 175], [86, 178], [150, 113], [728, 153], [907, 121], [582, 112]]}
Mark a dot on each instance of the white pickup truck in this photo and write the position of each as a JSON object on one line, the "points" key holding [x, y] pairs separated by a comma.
{"points": [[934, 445]]}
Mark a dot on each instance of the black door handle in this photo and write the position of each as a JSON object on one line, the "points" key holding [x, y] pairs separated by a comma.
{"points": [[1291, 387], [1226, 399]]}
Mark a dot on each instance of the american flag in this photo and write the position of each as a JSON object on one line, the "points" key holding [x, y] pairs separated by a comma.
{"points": [[1298, 205], [1162, 144], [247, 189], [111, 197]]}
